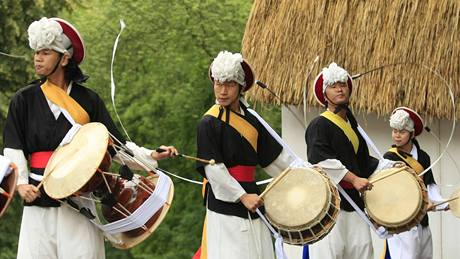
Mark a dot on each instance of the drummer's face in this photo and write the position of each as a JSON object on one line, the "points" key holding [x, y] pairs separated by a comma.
{"points": [[226, 93], [45, 60], [400, 137], [338, 93]]}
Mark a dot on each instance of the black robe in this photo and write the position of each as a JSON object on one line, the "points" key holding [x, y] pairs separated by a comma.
{"points": [[424, 160], [325, 140], [219, 141], [31, 126]]}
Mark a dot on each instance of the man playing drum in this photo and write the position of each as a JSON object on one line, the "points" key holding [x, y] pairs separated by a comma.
{"points": [[335, 135], [231, 135], [406, 124], [39, 117]]}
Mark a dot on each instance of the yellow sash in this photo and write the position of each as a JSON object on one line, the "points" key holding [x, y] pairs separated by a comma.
{"points": [[344, 126], [412, 162], [59, 97], [239, 124]]}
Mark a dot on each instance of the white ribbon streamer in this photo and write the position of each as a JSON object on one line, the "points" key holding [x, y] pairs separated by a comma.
{"points": [[279, 250]]}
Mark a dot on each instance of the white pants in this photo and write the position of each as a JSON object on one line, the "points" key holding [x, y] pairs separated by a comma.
{"points": [[58, 233], [415, 243], [230, 237], [350, 238]]}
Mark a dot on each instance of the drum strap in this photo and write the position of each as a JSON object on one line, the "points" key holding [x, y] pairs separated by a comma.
{"points": [[408, 159], [344, 126], [242, 126], [59, 97]]}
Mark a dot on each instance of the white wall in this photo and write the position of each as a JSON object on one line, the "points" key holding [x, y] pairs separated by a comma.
{"points": [[444, 226]]}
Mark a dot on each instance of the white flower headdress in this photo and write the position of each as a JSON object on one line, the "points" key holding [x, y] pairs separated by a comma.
{"points": [[48, 34], [333, 74], [401, 120], [227, 67]]}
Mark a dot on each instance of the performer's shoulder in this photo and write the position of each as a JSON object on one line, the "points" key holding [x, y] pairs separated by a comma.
{"points": [[318, 121], [87, 92], [423, 155]]}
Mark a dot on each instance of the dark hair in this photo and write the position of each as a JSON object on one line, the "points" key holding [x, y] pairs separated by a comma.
{"points": [[72, 72]]}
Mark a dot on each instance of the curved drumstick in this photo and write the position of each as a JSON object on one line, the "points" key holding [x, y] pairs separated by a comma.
{"points": [[211, 162]]}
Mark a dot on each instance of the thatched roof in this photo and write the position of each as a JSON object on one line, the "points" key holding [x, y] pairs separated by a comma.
{"points": [[283, 37]]}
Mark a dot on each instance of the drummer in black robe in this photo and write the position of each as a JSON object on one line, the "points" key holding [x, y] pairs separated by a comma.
{"points": [[335, 135], [238, 142], [40, 116], [417, 242]]}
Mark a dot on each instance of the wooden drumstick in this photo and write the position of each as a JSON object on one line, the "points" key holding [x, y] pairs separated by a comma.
{"points": [[388, 175], [446, 201], [43, 180], [274, 182], [211, 162]]}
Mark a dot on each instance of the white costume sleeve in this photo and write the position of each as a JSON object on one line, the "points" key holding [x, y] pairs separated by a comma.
{"points": [[140, 153], [283, 161], [17, 156], [334, 168], [435, 195], [223, 185], [384, 164]]}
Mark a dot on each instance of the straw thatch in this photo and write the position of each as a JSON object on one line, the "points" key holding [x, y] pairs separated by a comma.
{"points": [[283, 37]]}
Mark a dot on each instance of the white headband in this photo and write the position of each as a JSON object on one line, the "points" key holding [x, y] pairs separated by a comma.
{"points": [[401, 120], [48, 34], [227, 67], [334, 74]]}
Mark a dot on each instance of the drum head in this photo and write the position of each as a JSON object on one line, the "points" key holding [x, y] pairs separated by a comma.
{"points": [[455, 204], [125, 241], [299, 199], [395, 200], [9, 185], [72, 166]]}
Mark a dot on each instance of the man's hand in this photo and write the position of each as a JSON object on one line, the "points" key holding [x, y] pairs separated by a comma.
{"points": [[251, 201], [28, 192], [361, 184], [169, 151]]}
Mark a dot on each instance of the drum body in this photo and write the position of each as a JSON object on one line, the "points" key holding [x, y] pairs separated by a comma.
{"points": [[130, 196], [397, 202], [303, 206]]}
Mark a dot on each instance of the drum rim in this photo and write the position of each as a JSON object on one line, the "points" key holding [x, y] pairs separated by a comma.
{"points": [[411, 221], [11, 181], [334, 201]]}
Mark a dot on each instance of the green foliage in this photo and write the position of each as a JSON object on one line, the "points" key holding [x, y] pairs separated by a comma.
{"points": [[162, 91]]}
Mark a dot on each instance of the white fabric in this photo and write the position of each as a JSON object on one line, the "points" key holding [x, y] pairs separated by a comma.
{"points": [[17, 157], [333, 74], [401, 120], [334, 168], [283, 161], [227, 67], [223, 185], [434, 195], [142, 154], [230, 237], [144, 212], [48, 34], [415, 243], [36, 177], [349, 238], [5, 167], [279, 250], [56, 233]]}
